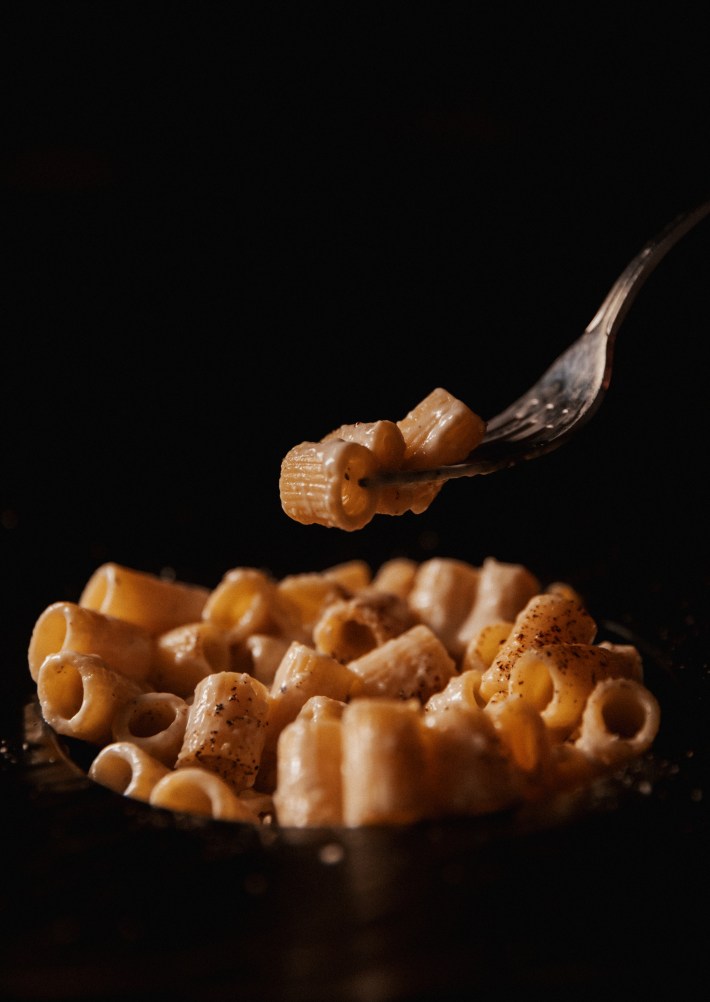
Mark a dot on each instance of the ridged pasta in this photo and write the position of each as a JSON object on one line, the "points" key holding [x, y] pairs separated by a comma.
{"points": [[345, 697]]}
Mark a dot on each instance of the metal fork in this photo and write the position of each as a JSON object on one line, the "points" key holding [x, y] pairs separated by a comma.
{"points": [[571, 390]]}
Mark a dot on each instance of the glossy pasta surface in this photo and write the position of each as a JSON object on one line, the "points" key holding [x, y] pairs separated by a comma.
{"points": [[349, 696]]}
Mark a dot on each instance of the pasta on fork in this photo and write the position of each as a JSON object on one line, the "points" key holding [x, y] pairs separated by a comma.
{"points": [[332, 482]]}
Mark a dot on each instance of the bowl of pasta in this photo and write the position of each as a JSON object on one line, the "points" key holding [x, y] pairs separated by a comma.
{"points": [[338, 781], [401, 781]]}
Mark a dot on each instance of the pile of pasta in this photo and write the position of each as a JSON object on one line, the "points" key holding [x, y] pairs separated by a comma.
{"points": [[341, 697], [341, 481]]}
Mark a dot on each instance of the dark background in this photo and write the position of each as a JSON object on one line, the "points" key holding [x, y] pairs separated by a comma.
{"points": [[227, 232]]}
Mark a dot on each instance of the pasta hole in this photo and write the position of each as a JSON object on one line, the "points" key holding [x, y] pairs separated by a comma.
{"points": [[216, 654], [355, 640], [145, 722], [188, 797], [536, 685], [63, 687], [116, 773], [354, 497], [526, 746], [51, 637], [623, 715]]}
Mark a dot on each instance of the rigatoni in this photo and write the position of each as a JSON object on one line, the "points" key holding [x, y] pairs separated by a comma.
{"points": [[441, 429], [127, 769], [321, 482], [309, 787], [620, 720], [503, 590], [67, 626], [384, 763], [545, 620], [226, 728], [155, 722], [413, 665], [80, 695], [471, 771], [558, 678], [186, 654], [443, 593], [338, 482], [155, 603], [351, 627], [343, 697], [198, 791], [247, 600]]}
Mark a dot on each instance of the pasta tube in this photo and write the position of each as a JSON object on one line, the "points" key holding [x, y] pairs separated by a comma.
{"points": [[620, 720], [396, 499], [440, 430], [384, 764], [144, 599], [557, 679], [247, 600], [186, 654], [66, 626], [352, 575], [309, 781], [442, 595], [226, 728], [503, 590], [321, 482], [155, 722], [546, 619], [482, 649], [352, 627], [524, 733], [259, 655], [471, 770], [383, 438], [396, 576], [199, 791], [127, 769], [80, 695], [302, 674], [413, 665], [461, 690], [311, 594]]}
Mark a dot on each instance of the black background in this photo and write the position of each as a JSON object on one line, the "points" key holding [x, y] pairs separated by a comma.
{"points": [[228, 232]]}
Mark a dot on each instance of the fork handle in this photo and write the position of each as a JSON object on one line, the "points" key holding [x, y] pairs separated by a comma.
{"points": [[488, 457], [623, 292]]}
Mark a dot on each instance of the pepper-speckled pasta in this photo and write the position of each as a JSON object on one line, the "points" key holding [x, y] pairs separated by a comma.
{"points": [[545, 619], [226, 728], [80, 695], [346, 696], [334, 482]]}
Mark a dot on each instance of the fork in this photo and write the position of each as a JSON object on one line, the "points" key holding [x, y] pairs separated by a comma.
{"points": [[570, 391]]}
